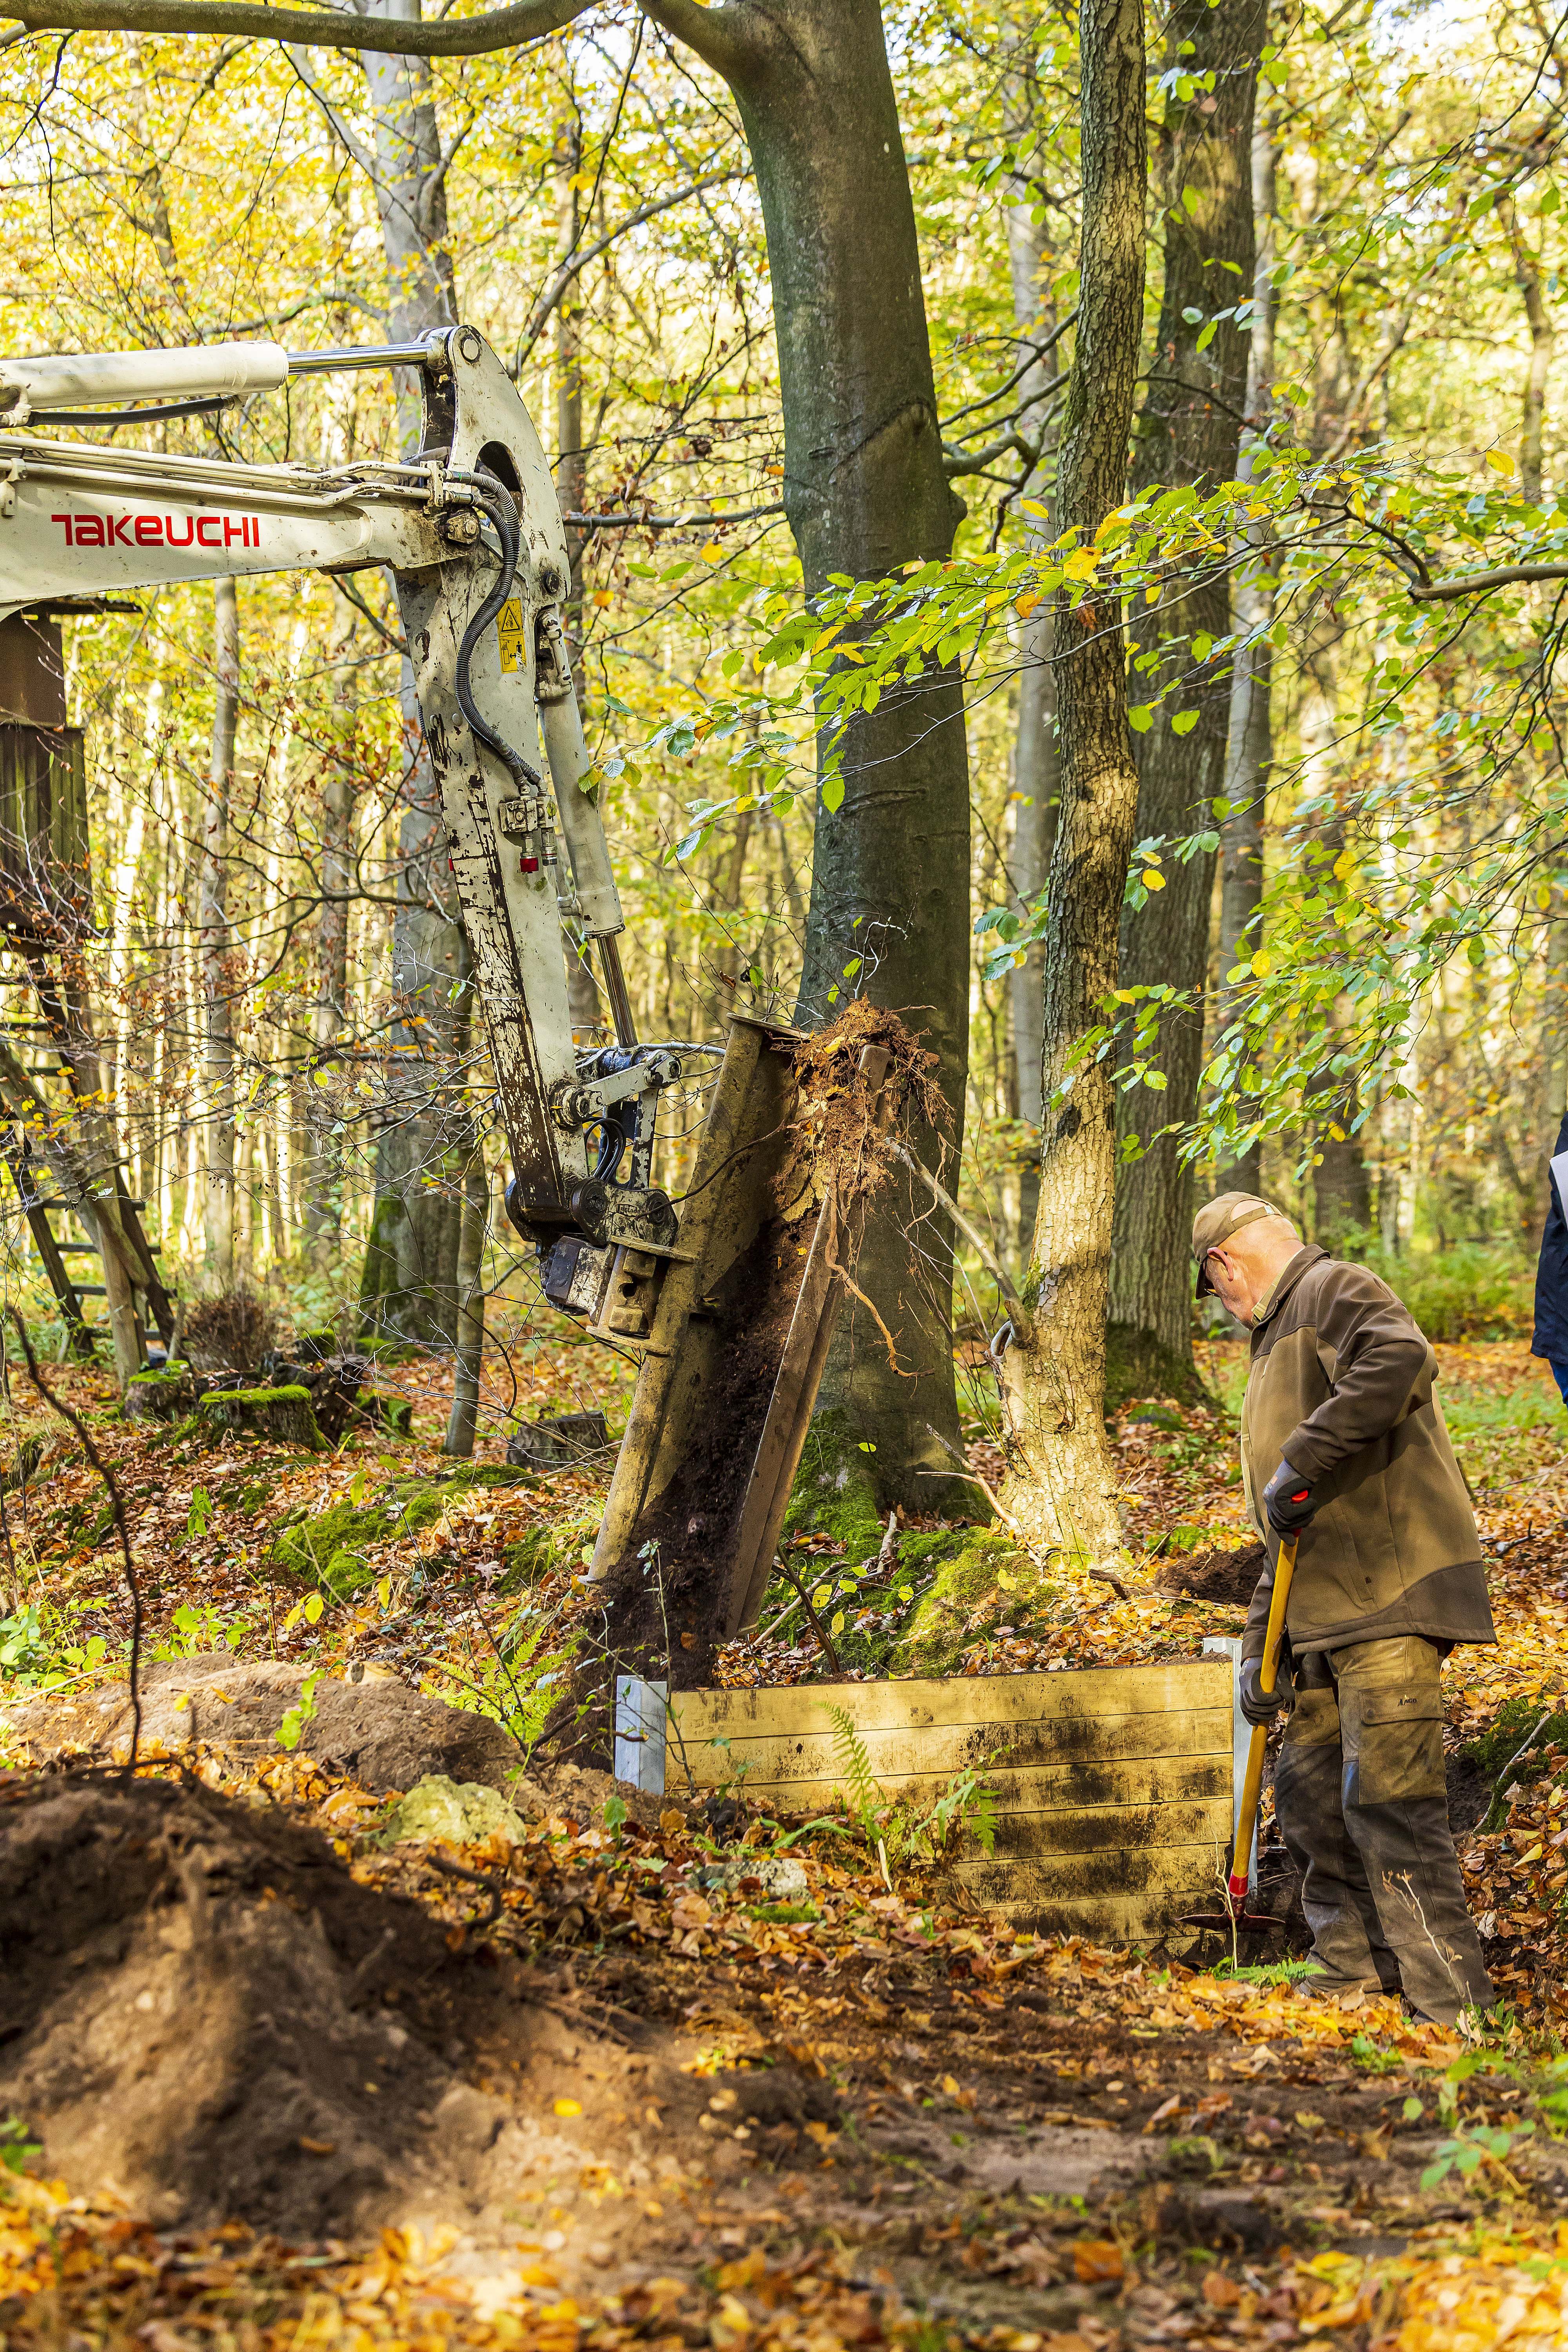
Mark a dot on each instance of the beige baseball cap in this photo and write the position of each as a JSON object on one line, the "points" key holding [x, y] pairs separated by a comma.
{"points": [[1221, 1217]]}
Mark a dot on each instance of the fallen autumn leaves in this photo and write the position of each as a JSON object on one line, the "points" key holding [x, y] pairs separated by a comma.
{"points": [[1022, 2143]]}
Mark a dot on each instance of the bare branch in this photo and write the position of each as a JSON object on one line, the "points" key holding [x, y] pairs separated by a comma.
{"points": [[669, 522], [543, 307], [1476, 583], [326, 29]]}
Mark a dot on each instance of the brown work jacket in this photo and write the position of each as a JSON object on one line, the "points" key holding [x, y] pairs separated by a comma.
{"points": [[1341, 1386]]}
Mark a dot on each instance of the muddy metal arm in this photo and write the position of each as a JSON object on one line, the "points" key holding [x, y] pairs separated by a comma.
{"points": [[472, 533]]}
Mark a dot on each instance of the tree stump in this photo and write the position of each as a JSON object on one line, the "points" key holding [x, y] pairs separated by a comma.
{"points": [[166, 1396], [283, 1416]]}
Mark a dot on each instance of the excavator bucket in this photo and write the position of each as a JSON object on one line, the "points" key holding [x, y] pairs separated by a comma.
{"points": [[738, 1334]]}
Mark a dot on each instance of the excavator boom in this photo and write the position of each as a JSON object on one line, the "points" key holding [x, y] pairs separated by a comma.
{"points": [[735, 1324]]}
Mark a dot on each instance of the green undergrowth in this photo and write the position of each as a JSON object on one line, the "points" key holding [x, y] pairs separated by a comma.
{"points": [[1471, 1290], [331, 1548]]}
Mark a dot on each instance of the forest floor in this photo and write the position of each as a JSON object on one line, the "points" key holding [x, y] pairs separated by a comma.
{"points": [[278, 2076]]}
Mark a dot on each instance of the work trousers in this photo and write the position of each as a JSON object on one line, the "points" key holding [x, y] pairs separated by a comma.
{"points": [[1360, 1801]]}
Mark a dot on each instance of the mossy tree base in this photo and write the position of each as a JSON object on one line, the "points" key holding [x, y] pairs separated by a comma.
{"points": [[835, 1492], [166, 1396], [982, 1579]]}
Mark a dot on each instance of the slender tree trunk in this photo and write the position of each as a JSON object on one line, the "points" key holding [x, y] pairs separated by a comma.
{"points": [[1035, 778], [1553, 1060], [322, 1220], [1342, 1187], [324, 1168], [1542, 335], [1249, 745], [409, 1285], [865, 491], [1063, 1482], [469, 1361], [1188, 434], [213, 944]]}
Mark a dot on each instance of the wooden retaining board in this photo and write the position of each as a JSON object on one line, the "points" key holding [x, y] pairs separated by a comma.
{"points": [[1113, 1786]]}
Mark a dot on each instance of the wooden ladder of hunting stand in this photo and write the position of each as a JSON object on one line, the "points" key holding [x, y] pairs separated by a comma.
{"points": [[46, 911]]}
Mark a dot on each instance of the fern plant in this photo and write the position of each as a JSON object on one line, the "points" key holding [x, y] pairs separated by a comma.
{"points": [[900, 1829], [520, 1682], [864, 1790]]}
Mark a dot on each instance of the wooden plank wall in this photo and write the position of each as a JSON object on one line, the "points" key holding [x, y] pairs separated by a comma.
{"points": [[1113, 1786]]}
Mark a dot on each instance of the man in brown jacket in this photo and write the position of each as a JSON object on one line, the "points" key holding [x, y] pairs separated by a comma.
{"points": [[1344, 1444]]}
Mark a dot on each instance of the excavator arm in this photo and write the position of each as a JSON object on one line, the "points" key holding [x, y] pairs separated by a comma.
{"points": [[471, 532], [735, 1308]]}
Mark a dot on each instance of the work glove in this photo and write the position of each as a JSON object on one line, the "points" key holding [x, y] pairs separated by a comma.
{"points": [[1261, 1707], [1289, 1500]]}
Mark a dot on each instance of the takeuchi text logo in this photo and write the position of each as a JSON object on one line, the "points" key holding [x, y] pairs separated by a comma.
{"points": [[161, 529]]}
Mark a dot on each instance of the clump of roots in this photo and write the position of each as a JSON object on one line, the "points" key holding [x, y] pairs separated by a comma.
{"points": [[836, 1133]]}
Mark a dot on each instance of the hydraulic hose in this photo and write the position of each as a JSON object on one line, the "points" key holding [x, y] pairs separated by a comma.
{"points": [[497, 505]]}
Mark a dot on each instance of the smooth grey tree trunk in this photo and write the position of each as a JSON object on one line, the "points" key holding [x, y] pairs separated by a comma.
{"points": [[213, 945], [1187, 435], [1250, 742], [469, 1361], [1063, 1484], [865, 491]]}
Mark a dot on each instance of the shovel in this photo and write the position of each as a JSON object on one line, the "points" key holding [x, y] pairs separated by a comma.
{"points": [[1252, 1783]]}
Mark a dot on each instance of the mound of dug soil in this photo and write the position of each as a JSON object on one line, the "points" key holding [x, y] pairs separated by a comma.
{"points": [[381, 1734], [206, 2016], [1222, 1576]]}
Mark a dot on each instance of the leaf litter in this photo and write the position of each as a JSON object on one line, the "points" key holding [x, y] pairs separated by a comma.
{"points": [[856, 2118]]}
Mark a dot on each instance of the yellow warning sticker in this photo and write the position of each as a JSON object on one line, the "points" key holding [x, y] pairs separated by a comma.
{"points": [[509, 634]]}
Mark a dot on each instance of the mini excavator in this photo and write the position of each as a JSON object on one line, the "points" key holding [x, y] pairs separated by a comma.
{"points": [[730, 1304]]}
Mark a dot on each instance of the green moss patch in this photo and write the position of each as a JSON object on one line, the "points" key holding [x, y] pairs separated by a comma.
{"points": [[980, 1575], [329, 1546], [545, 1551], [833, 1493]]}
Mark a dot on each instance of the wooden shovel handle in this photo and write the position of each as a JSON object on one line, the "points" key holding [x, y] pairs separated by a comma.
{"points": [[1247, 1811]]}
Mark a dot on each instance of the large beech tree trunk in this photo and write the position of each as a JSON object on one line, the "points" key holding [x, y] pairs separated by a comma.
{"points": [[1187, 435], [1062, 1486], [865, 491]]}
